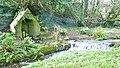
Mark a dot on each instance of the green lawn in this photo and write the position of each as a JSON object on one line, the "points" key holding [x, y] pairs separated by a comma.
{"points": [[75, 59]]}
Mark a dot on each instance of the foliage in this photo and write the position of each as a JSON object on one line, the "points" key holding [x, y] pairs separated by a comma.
{"points": [[27, 40], [60, 30], [99, 33], [116, 23], [116, 36], [109, 33], [61, 8], [75, 59], [85, 30], [43, 33], [7, 39], [13, 53], [113, 15], [72, 9]]}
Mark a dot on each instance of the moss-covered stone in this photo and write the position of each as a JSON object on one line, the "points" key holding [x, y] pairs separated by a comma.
{"points": [[48, 49], [53, 48]]}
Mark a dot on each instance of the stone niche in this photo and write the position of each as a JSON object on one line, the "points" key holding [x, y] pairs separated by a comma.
{"points": [[25, 23]]}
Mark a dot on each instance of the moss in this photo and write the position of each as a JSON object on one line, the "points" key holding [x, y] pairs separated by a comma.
{"points": [[48, 49], [18, 31], [25, 23], [54, 48]]}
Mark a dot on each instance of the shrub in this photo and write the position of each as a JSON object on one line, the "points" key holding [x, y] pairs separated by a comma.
{"points": [[14, 53], [99, 33]]}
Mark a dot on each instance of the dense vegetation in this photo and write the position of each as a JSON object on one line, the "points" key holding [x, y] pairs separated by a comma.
{"points": [[76, 59], [60, 21], [81, 13], [11, 52]]}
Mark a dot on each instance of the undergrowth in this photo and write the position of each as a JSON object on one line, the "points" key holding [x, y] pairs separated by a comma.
{"points": [[76, 59], [99, 33], [11, 53]]}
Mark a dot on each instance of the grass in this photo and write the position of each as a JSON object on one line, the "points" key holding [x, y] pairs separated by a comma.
{"points": [[108, 30], [110, 33], [75, 59]]}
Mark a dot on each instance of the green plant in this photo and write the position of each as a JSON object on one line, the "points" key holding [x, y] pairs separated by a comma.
{"points": [[99, 33], [43, 34], [6, 47], [85, 30], [60, 30], [14, 53], [19, 53], [27, 40], [57, 30], [7, 39], [117, 37], [112, 18], [63, 31]]}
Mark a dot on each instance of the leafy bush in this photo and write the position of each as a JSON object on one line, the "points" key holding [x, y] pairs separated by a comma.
{"points": [[112, 18], [13, 53], [99, 33]]}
